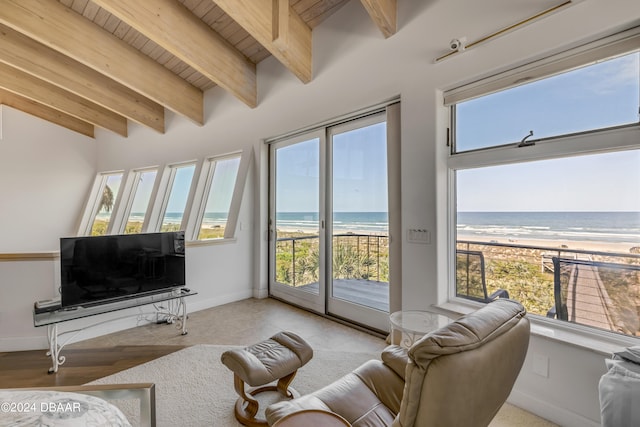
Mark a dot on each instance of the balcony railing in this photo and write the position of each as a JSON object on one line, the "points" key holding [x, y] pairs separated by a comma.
{"points": [[486, 270], [355, 256], [601, 289]]}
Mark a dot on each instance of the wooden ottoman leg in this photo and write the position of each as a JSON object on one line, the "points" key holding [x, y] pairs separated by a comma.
{"points": [[283, 385], [245, 413]]}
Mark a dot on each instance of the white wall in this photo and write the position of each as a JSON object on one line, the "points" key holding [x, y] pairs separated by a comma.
{"points": [[45, 174], [355, 67]]}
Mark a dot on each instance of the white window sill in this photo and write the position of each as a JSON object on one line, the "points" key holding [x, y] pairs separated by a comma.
{"points": [[209, 242], [601, 342]]}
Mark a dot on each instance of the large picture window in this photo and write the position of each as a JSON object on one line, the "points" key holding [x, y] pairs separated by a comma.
{"points": [[552, 220]]}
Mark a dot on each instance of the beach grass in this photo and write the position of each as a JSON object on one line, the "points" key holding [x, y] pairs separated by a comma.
{"points": [[524, 271], [100, 226]]}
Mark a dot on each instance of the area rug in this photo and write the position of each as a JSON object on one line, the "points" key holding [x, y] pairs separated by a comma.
{"points": [[193, 388]]}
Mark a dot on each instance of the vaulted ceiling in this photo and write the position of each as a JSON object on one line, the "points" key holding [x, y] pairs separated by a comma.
{"points": [[82, 64]]}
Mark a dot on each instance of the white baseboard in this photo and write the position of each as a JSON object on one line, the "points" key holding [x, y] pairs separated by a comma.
{"points": [[549, 411], [24, 343], [261, 293], [203, 304]]}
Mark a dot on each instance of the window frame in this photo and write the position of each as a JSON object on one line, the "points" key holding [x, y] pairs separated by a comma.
{"points": [[162, 194], [93, 202], [618, 138], [204, 182], [129, 192]]}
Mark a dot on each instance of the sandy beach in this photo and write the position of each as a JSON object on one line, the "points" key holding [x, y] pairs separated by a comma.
{"points": [[591, 246], [582, 245]]}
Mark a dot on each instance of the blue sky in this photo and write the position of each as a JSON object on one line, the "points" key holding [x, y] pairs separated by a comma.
{"points": [[604, 95], [607, 94], [604, 182], [359, 173], [221, 189], [143, 192]]}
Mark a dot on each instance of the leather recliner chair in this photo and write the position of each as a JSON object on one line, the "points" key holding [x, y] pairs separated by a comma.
{"points": [[458, 375]]}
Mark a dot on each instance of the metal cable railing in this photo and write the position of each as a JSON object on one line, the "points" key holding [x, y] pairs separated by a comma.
{"points": [[355, 256]]}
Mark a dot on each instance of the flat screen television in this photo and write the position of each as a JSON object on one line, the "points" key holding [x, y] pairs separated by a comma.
{"points": [[102, 269]]}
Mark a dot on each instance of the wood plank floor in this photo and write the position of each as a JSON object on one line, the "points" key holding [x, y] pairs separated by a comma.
{"points": [[29, 368]]}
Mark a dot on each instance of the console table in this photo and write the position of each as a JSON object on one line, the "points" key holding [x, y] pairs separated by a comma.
{"points": [[176, 314]]}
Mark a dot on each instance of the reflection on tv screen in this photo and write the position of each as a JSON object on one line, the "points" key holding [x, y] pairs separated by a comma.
{"points": [[101, 269]]}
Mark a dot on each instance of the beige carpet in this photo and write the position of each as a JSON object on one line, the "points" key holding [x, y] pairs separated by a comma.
{"points": [[193, 388]]}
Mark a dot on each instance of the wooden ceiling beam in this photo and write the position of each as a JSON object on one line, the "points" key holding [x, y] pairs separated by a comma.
{"points": [[277, 27], [49, 65], [172, 26], [27, 86], [46, 113], [62, 29], [384, 13]]}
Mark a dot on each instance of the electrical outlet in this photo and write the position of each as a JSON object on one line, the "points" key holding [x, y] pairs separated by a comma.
{"points": [[418, 235], [541, 365]]}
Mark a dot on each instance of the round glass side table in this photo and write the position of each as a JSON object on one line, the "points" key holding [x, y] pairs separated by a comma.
{"points": [[408, 326]]}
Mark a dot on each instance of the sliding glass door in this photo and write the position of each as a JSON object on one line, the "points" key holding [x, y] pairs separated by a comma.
{"points": [[358, 288], [295, 223], [330, 220]]}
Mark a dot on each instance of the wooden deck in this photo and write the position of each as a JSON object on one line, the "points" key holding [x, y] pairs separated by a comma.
{"points": [[364, 292], [587, 299]]}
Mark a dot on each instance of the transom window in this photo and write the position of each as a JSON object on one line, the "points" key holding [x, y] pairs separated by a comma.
{"points": [[552, 219], [594, 97]]}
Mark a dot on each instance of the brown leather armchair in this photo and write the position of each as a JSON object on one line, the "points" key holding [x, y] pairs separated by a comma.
{"points": [[459, 375]]}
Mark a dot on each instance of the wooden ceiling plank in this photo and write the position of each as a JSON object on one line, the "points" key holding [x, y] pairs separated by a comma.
{"points": [[20, 83], [292, 47], [188, 39], [384, 14], [46, 113], [54, 25], [101, 17], [90, 11], [40, 61], [320, 11], [212, 15], [79, 5]]}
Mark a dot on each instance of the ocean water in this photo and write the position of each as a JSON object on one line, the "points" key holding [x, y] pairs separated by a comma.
{"points": [[374, 222], [576, 226], [210, 219]]}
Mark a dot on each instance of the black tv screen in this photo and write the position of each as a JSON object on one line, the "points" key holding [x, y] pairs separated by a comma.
{"points": [[101, 269]]}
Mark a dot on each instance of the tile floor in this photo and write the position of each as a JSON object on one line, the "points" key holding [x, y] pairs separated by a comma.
{"points": [[244, 323]]}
